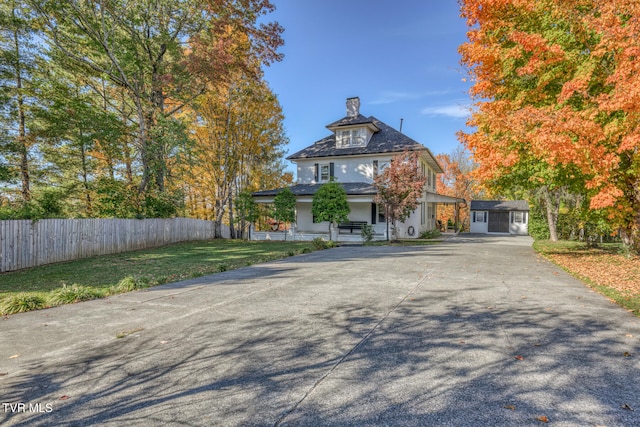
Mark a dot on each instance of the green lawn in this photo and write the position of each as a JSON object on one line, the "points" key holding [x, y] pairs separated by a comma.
{"points": [[101, 275]]}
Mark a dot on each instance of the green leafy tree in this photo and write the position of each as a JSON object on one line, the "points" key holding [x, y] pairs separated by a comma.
{"points": [[284, 204], [116, 199], [18, 58], [246, 211], [330, 204], [161, 54]]}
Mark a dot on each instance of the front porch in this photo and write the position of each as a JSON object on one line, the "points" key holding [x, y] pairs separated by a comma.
{"points": [[361, 200], [342, 236]]}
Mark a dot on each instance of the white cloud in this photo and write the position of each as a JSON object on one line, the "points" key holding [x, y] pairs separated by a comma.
{"points": [[456, 111], [391, 97]]}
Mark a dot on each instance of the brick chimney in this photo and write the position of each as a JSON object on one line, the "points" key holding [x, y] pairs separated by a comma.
{"points": [[353, 107]]}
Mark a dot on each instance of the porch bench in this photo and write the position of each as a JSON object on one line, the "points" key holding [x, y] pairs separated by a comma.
{"points": [[352, 225]]}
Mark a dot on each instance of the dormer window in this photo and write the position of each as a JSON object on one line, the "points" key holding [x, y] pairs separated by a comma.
{"points": [[351, 138]]}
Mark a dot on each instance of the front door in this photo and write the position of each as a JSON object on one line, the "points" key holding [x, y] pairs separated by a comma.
{"points": [[498, 222]]}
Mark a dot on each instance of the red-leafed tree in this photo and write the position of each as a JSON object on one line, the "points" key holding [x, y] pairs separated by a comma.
{"points": [[557, 84], [400, 186]]}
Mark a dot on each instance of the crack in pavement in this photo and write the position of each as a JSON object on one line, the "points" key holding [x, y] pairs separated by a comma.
{"points": [[315, 385]]}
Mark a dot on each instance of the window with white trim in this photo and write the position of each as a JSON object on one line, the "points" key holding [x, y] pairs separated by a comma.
{"points": [[351, 138], [479, 216], [325, 173], [519, 217]]}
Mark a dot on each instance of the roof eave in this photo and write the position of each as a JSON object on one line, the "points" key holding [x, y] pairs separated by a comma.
{"points": [[372, 127], [430, 159]]}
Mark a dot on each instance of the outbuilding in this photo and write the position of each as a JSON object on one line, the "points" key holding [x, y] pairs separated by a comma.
{"points": [[499, 216]]}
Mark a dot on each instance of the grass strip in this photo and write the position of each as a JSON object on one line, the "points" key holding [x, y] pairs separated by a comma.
{"points": [[79, 280], [608, 267]]}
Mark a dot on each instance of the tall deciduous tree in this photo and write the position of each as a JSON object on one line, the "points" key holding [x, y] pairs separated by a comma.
{"points": [[139, 46], [237, 131], [557, 88], [119, 104], [400, 186], [457, 181]]}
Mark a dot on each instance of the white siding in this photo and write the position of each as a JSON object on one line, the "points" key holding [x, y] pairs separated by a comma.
{"points": [[361, 169], [479, 225], [518, 223], [353, 169]]}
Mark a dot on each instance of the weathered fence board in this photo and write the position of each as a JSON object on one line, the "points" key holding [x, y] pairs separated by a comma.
{"points": [[25, 243]]}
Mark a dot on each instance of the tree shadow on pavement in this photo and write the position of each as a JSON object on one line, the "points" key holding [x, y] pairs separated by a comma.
{"points": [[348, 365]]}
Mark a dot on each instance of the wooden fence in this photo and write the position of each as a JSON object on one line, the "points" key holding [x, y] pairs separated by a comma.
{"points": [[28, 243]]}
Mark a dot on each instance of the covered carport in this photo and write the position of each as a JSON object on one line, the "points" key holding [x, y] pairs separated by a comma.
{"points": [[440, 200]]}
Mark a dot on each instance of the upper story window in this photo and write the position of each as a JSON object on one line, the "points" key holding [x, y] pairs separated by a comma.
{"points": [[324, 173], [351, 138]]}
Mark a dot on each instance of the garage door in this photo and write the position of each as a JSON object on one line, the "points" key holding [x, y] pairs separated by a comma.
{"points": [[498, 222]]}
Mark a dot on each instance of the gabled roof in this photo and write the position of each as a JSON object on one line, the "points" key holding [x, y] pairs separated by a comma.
{"points": [[386, 140], [351, 188], [351, 121], [499, 205]]}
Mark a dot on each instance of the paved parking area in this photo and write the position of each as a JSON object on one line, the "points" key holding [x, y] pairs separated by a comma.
{"points": [[474, 331]]}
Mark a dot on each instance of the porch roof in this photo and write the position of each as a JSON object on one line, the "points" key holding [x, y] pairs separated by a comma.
{"points": [[351, 188], [440, 198]]}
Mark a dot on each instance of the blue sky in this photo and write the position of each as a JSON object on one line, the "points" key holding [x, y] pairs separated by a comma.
{"points": [[400, 57]]}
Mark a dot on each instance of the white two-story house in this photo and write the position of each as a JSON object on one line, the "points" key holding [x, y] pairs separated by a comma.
{"points": [[357, 149]]}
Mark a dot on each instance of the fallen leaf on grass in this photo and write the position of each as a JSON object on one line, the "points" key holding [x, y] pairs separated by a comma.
{"points": [[543, 419], [519, 357], [626, 406], [512, 407]]}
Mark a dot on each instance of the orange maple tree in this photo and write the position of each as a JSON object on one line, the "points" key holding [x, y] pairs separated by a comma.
{"points": [[456, 181], [557, 85]]}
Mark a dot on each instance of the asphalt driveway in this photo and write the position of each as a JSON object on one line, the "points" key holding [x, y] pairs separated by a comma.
{"points": [[476, 331]]}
